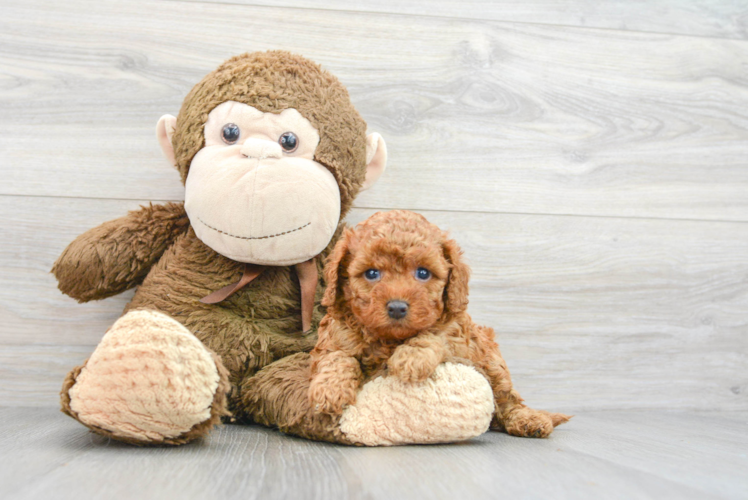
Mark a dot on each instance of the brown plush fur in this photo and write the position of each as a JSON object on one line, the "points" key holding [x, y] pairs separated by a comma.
{"points": [[118, 254], [358, 340], [271, 82], [279, 396], [156, 248]]}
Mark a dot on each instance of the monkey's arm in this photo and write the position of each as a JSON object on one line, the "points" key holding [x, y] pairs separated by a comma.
{"points": [[116, 255]]}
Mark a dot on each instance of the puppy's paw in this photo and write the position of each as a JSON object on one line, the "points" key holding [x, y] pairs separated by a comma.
{"points": [[413, 364], [527, 422], [332, 397]]}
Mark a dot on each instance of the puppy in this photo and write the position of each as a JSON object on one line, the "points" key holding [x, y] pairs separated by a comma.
{"points": [[396, 298]]}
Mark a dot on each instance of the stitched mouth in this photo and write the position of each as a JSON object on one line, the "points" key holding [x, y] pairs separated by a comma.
{"points": [[254, 237]]}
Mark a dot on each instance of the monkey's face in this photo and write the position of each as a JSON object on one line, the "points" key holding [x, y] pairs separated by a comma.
{"points": [[254, 192]]}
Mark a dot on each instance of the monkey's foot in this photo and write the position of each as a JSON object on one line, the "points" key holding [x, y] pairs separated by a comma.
{"points": [[456, 403], [527, 422], [149, 381]]}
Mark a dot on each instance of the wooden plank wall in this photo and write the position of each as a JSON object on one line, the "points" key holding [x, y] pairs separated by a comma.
{"points": [[591, 159]]}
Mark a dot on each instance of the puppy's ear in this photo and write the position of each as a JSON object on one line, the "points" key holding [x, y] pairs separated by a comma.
{"points": [[456, 291], [333, 273]]}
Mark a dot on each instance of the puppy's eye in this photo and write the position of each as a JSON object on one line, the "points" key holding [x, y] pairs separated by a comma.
{"points": [[372, 275], [230, 133], [423, 274], [289, 142]]}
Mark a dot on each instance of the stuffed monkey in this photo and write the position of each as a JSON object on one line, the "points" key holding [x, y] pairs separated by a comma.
{"points": [[272, 154]]}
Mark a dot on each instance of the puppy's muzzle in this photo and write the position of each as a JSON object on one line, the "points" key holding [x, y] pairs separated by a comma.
{"points": [[397, 309]]}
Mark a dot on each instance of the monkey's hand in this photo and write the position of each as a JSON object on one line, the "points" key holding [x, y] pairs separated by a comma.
{"points": [[335, 381], [417, 359], [117, 255]]}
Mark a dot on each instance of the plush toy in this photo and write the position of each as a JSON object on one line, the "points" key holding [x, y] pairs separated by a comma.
{"points": [[272, 154]]}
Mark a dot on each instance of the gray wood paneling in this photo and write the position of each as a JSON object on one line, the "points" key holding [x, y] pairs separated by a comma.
{"points": [[479, 116], [34, 231], [724, 18], [32, 375], [590, 157], [601, 455], [591, 312]]}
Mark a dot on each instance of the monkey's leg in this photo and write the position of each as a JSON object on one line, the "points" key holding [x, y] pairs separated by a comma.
{"points": [[149, 381], [455, 404], [278, 396]]}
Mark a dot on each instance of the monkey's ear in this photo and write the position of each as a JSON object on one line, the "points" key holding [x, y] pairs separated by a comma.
{"points": [[376, 159], [164, 130]]}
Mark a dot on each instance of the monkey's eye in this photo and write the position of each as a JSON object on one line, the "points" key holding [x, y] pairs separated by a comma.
{"points": [[372, 275], [289, 142], [423, 274], [230, 133]]}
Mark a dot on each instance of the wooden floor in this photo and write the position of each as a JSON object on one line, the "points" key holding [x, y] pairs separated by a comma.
{"points": [[622, 455], [591, 158]]}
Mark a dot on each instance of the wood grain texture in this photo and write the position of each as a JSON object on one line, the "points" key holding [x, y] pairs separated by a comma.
{"points": [[597, 180], [479, 115], [35, 231], [615, 455], [592, 313], [724, 18], [32, 375]]}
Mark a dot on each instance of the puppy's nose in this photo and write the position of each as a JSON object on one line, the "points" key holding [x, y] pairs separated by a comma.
{"points": [[397, 309]]}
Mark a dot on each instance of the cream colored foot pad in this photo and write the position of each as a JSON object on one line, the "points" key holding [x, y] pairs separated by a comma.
{"points": [[148, 379], [455, 404]]}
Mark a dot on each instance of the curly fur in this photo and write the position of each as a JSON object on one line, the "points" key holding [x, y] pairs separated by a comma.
{"points": [[358, 340]]}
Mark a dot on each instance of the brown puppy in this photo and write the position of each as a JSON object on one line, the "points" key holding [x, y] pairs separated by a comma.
{"points": [[396, 297]]}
